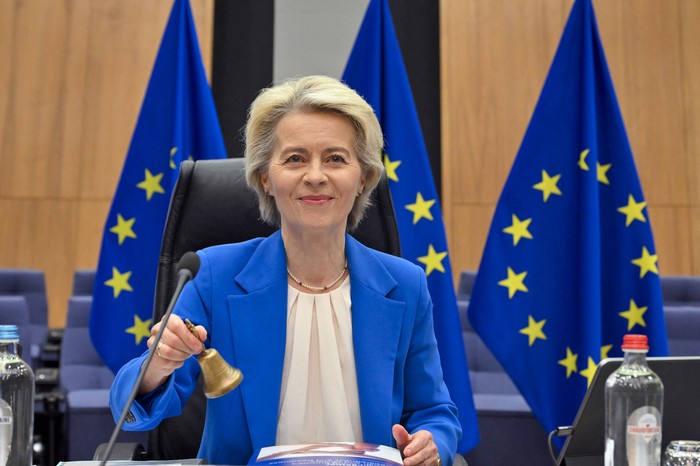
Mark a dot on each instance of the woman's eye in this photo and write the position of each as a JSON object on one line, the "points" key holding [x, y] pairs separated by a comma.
{"points": [[294, 159], [335, 158]]}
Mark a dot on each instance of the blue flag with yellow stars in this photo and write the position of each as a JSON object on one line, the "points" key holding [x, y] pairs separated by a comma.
{"points": [[376, 71], [177, 122], [570, 264]]}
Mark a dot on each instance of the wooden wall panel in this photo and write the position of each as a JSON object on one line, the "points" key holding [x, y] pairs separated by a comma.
{"points": [[495, 56], [90, 226], [672, 236], [40, 234], [73, 78], [695, 236], [690, 39], [641, 41], [37, 142], [464, 256], [74, 74], [492, 77]]}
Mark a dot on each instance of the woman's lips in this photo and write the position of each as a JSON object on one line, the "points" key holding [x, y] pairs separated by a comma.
{"points": [[315, 199]]}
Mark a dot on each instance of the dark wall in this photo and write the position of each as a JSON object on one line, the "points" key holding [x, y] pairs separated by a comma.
{"points": [[417, 25], [241, 62], [243, 59]]}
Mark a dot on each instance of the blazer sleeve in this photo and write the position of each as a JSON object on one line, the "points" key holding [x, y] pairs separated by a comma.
{"points": [[427, 402], [167, 400]]}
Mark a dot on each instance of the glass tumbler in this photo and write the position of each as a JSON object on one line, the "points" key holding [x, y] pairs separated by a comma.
{"points": [[682, 453]]}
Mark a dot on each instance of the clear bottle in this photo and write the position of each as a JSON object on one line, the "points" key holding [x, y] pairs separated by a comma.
{"points": [[634, 397], [16, 402]]}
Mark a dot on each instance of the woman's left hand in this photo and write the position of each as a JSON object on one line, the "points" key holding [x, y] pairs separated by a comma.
{"points": [[418, 448]]}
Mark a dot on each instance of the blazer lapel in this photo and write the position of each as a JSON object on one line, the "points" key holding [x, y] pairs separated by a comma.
{"points": [[258, 321], [376, 328]]}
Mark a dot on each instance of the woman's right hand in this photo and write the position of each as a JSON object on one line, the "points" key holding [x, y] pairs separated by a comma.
{"points": [[175, 346]]}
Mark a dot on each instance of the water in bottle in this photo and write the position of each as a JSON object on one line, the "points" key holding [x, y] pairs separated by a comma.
{"points": [[634, 397], [16, 402]]}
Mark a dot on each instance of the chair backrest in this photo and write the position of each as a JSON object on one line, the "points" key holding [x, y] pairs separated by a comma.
{"points": [[683, 328], [14, 311], [680, 290], [486, 374], [211, 204], [78, 313], [83, 282], [32, 285], [81, 366], [466, 283]]}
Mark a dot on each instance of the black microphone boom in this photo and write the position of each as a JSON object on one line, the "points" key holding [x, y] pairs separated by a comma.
{"points": [[187, 268]]}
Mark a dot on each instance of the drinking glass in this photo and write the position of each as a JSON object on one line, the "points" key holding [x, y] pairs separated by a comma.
{"points": [[682, 453]]}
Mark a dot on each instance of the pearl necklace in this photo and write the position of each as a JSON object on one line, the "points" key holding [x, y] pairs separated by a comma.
{"points": [[318, 288]]}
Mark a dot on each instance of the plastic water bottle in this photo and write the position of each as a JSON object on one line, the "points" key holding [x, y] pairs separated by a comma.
{"points": [[16, 402], [634, 398]]}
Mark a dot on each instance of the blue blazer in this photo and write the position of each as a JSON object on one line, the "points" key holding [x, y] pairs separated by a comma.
{"points": [[240, 296]]}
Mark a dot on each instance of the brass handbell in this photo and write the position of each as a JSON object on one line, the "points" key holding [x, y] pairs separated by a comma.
{"points": [[219, 376]]}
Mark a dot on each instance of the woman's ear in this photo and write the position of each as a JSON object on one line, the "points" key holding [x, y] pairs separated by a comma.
{"points": [[264, 180], [363, 182]]}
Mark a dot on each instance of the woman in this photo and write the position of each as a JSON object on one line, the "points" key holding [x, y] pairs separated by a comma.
{"points": [[335, 340]]}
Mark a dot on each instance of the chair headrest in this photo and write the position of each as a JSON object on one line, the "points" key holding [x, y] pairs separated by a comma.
{"points": [[212, 204]]}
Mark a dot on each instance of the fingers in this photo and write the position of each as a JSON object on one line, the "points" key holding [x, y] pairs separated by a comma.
{"points": [[177, 342], [176, 345], [401, 436], [418, 449]]}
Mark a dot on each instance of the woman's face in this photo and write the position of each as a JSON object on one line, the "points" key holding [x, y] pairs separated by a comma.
{"points": [[314, 173]]}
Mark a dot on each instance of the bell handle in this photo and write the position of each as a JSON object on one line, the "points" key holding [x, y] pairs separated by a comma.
{"points": [[191, 327]]}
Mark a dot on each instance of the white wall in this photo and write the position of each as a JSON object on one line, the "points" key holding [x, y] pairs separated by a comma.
{"points": [[315, 36]]}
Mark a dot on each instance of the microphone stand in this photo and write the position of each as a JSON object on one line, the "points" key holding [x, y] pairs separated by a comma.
{"points": [[183, 276]]}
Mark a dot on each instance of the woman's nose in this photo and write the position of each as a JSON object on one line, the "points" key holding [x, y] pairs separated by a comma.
{"points": [[315, 173]]}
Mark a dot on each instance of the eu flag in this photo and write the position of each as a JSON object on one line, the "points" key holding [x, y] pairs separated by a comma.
{"points": [[177, 122], [376, 71], [569, 265]]}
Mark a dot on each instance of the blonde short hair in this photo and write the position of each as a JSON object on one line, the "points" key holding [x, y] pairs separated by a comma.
{"points": [[309, 95]]}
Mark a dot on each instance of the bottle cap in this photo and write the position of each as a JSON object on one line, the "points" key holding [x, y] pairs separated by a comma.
{"points": [[635, 342], [9, 333]]}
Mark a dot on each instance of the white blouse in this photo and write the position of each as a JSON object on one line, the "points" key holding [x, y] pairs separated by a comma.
{"points": [[319, 400]]}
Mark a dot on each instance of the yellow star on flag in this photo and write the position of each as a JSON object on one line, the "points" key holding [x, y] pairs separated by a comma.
{"points": [[569, 362], [140, 330], [602, 171], [421, 208], [124, 228], [151, 184], [534, 330], [119, 282], [519, 229], [391, 167], [514, 282], [604, 350], [433, 261], [646, 263], [548, 185], [173, 151], [582, 160], [589, 371], [634, 315], [633, 210]]}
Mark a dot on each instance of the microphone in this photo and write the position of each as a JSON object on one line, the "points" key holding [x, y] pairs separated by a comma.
{"points": [[187, 268]]}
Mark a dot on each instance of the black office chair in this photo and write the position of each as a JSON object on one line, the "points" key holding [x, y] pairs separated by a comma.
{"points": [[211, 204]]}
